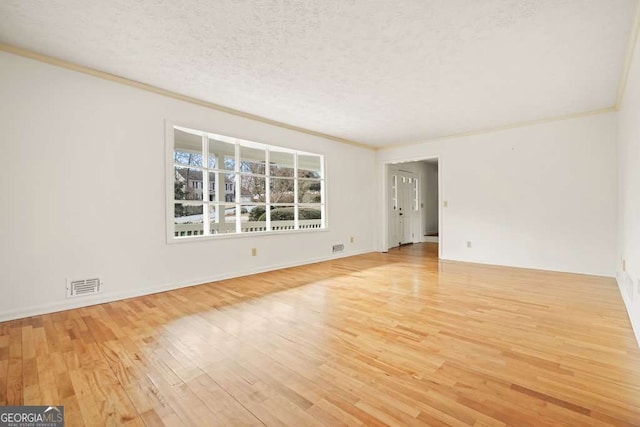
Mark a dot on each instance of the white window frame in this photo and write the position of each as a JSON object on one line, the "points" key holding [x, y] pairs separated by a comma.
{"points": [[169, 187]]}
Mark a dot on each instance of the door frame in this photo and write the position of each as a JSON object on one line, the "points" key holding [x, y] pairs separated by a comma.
{"points": [[386, 200]]}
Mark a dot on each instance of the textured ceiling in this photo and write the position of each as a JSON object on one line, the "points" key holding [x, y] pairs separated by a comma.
{"points": [[373, 71]]}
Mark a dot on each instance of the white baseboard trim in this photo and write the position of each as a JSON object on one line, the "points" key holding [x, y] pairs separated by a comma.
{"points": [[528, 267], [430, 239], [117, 296], [634, 318]]}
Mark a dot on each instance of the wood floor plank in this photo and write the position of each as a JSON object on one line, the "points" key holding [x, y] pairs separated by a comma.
{"points": [[379, 339], [14, 376]]}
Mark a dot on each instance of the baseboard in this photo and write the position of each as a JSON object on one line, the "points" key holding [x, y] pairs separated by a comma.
{"points": [[117, 296], [430, 239], [528, 267], [634, 318]]}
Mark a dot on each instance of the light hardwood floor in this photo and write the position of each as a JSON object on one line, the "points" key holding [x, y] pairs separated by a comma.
{"points": [[396, 339]]}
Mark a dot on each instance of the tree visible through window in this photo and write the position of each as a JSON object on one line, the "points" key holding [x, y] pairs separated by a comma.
{"points": [[250, 187]]}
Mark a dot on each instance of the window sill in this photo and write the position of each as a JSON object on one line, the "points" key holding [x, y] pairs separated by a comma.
{"points": [[188, 239]]}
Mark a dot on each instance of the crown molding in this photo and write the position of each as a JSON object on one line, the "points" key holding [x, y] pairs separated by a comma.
{"points": [[149, 88], [501, 128]]}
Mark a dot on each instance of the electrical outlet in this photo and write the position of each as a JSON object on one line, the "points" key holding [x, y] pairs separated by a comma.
{"points": [[254, 251], [468, 243], [445, 204], [352, 239], [624, 265]]}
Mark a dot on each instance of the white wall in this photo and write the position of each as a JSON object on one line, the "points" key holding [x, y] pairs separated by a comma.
{"points": [[629, 196], [83, 192], [542, 196]]}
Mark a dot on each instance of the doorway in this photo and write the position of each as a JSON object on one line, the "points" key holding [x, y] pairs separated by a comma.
{"points": [[430, 201], [413, 203]]}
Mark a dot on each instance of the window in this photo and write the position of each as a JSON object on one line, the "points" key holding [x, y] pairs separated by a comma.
{"points": [[251, 187], [394, 196]]}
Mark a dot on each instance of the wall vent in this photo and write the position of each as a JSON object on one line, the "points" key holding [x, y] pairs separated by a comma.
{"points": [[338, 248], [78, 288]]}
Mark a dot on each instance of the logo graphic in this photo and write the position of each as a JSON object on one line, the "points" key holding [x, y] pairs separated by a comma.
{"points": [[31, 416]]}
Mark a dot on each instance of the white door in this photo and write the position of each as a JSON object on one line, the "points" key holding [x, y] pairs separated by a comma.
{"points": [[402, 218]]}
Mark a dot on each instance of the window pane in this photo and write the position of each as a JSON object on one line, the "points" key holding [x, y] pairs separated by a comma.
{"points": [[187, 148], [222, 219], [282, 218], [228, 218], [216, 215], [309, 191], [222, 155], [252, 160], [310, 217], [229, 188], [281, 163], [187, 220], [212, 186], [309, 166], [394, 200], [187, 183], [253, 218], [253, 188], [281, 190]]}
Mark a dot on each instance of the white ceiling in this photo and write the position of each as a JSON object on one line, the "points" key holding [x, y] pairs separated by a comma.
{"points": [[372, 71]]}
